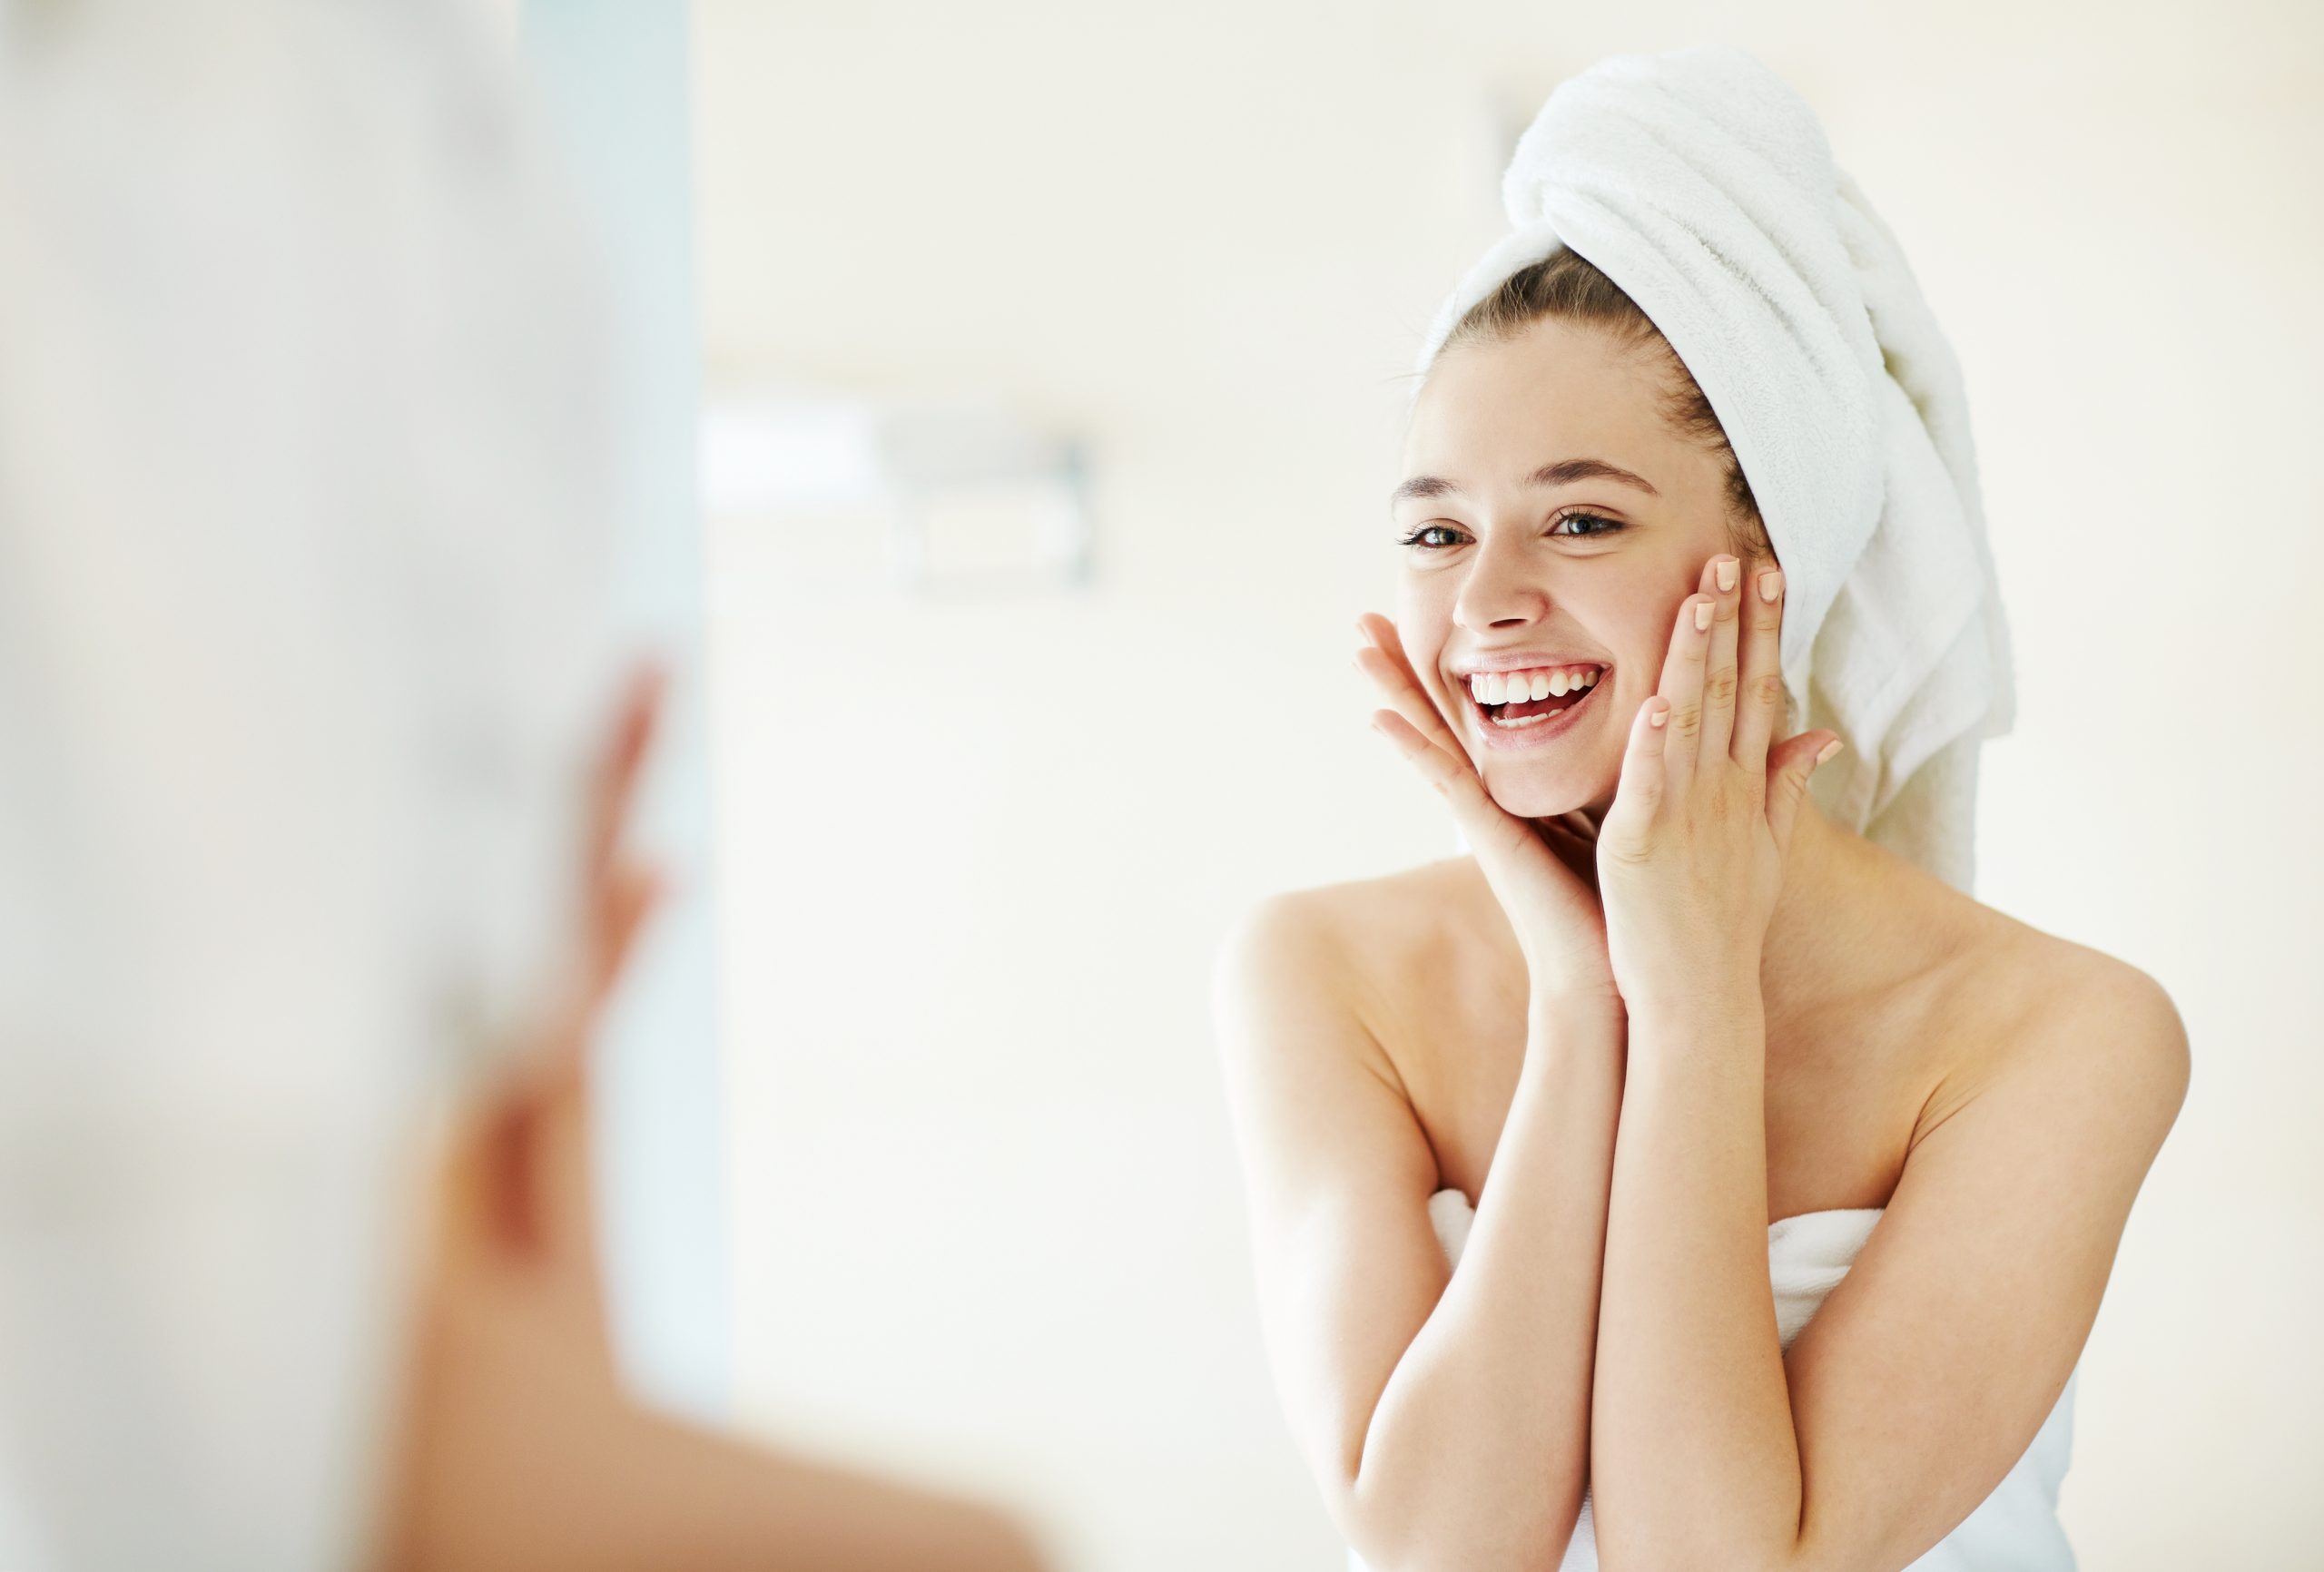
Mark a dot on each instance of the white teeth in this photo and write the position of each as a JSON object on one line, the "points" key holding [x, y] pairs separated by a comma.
{"points": [[1517, 687], [1525, 720]]}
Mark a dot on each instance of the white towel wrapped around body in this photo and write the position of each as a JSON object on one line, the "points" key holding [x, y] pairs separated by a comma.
{"points": [[1702, 184]]}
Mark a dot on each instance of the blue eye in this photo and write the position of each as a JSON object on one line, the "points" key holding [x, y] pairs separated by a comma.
{"points": [[1427, 537], [1605, 526]]}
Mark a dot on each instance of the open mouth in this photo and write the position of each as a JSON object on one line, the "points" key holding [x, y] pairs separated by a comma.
{"points": [[1519, 700]]}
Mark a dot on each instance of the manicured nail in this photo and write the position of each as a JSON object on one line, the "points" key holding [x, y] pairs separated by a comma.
{"points": [[1726, 571], [1656, 717], [1770, 585], [1702, 615], [1827, 750]]}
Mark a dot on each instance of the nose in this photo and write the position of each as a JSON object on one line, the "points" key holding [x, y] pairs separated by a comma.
{"points": [[1503, 588]]}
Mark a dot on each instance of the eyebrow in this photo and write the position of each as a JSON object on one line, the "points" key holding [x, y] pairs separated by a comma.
{"points": [[1564, 472]]}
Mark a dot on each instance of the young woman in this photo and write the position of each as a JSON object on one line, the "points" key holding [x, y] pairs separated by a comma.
{"points": [[1693, 1051]]}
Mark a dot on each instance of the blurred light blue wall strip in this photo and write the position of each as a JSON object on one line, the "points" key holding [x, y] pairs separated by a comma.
{"points": [[614, 75]]}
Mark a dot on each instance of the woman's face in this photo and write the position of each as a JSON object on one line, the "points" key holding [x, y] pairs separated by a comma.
{"points": [[1553, 523]]}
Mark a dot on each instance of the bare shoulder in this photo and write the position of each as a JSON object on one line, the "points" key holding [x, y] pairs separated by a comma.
{"points": [[2072, 1025], [1305, 997], [1353, 936], [1345, 963]]}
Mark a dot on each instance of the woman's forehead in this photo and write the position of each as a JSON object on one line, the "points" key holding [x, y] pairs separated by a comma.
{"points": [[1493, 414]]}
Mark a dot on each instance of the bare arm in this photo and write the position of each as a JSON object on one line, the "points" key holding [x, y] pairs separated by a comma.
{"points": [[521, 1451], [1446, 1415], [520, 1448], [1931, 1367], [1926, 1375]]}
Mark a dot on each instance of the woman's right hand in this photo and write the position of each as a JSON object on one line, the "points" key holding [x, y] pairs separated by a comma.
{"points": [[1542, 872]]}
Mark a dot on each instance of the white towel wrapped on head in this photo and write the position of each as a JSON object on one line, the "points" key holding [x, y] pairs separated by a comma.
{"points": [[1702, 184]]}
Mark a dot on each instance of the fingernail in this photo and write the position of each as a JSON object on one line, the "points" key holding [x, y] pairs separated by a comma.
{"points": [[1827, 750], [1726, 571], [1770, 585], [1702, 615], [1656, 717]]}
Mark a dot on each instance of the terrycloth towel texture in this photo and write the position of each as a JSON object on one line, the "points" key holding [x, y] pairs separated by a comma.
{"points": [[1702, 185]]}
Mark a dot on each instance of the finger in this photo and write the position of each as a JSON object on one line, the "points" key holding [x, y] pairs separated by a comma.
{"points": [[1493, 836], [1407, 703], [1681, 686], [1759, 709], [1420, 731], [1719, 670], [1382, 635], [1789, 766], [621, 903], [1646, 762], [630, 897], [615, 790], [1382, 659], [1445, 767]]}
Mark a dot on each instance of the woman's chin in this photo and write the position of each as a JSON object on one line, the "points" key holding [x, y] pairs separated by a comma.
{"points": [[1539, 794]]}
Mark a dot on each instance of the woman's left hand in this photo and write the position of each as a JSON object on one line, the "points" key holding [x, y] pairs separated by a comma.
{"points": [[1691, 856]]}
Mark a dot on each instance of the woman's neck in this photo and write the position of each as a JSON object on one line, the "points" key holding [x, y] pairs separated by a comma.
{"points": [[1853, 920]]}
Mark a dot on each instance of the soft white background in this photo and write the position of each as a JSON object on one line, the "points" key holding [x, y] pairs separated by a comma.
{"points": [[976, 856]]}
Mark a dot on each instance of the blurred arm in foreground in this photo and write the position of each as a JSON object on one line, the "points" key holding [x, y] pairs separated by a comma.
{"points": [[520, 1448]]}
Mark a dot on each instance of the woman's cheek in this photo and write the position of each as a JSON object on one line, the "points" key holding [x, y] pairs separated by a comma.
{"points": [[1422, 626]]}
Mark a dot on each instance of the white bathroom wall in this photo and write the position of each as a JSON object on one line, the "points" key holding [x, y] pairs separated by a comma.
{"points": [[975, 854]]}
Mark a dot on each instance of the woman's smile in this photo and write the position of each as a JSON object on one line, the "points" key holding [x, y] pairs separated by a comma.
{"points": [[1529, 707]]}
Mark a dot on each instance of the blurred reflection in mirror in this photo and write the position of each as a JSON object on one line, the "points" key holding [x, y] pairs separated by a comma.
{"points": [[311, 881]]}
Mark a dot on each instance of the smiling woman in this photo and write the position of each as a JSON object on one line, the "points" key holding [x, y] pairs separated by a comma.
{"points": [[1490, 532], [1657, 1175]]}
